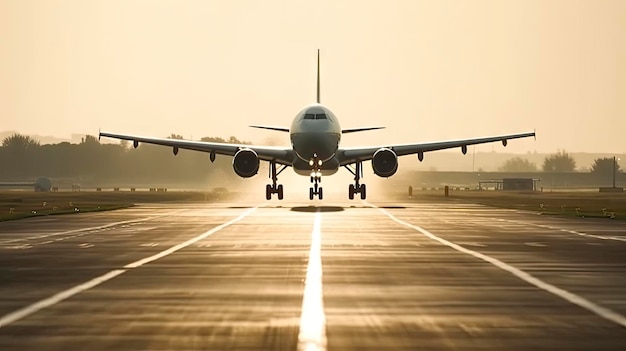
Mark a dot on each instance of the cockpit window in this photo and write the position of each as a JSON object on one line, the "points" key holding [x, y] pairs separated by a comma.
{"points": [[315, 116]]}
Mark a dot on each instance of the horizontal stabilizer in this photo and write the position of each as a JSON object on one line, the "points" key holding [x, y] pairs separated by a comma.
{"points": [[280, 129], [353, 130]]}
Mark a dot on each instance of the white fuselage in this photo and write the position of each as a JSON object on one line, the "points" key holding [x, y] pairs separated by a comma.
{"points": [[315, 134]]}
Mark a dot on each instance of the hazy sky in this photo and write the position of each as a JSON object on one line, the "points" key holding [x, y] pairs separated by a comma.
{"points": [[426, 70]]}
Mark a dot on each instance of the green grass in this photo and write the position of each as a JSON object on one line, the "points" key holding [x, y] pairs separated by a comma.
{"points": [[578, 204], [79, 208], [24, 204]]}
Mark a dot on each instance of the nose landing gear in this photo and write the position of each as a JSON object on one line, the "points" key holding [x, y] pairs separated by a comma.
{"points": [[316, 178], [316, 189]]}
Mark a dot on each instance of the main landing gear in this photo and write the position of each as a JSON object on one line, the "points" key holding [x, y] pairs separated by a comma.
{"points": [[356, 188], [273, 188], [316, 178]]}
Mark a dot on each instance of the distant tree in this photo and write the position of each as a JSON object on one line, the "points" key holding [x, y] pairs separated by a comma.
{"points": [[518, 164], [19, 141], [604, 166], [559, 162], [213, 139], [176, 136], [232, 140], [18, 156]]}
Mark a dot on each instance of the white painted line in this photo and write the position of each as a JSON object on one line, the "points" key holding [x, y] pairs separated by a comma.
{"points": [[587, 235], [54, 299], [312, 336], [601, 311], [188, 242], [93, 229], [535, 244], [150, 244], [71, 231]]}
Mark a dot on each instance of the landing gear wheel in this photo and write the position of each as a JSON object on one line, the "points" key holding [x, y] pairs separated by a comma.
{"points": [[319, 194], [356, 188], [274, 188], [311, 194]]}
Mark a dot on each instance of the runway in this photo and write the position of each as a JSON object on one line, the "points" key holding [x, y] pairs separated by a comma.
{"points": [[410, 275]]}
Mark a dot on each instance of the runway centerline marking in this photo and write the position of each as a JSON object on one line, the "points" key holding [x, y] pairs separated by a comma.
{"points": [[312, 335], [580, 301], [64, 295]]}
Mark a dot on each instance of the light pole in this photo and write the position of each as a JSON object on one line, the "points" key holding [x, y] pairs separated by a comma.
{"points": [[614, 169]]}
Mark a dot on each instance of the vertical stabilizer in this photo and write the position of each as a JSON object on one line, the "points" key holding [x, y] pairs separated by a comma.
{"points": [[318, 76]]}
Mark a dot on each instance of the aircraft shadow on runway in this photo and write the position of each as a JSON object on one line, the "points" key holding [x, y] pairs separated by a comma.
{"points": [[317, 209], [313, 209]]}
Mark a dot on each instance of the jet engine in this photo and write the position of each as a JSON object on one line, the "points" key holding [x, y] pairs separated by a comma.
{"points": [[385, 162], [246, 163]]}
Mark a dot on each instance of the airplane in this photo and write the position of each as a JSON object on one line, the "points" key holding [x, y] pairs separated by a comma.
{"points": [[315, 151]]}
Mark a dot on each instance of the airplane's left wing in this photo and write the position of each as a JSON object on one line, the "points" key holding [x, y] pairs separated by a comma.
{"points": [[280, 155], [351, 155]]}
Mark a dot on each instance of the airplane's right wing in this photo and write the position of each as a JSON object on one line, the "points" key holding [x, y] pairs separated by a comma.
{"points": [[280, 155], [356, 154]]}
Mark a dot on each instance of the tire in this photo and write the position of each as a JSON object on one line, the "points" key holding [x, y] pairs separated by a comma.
{"points": [[268, 192], [363, 192], [310, 193], [280, 192], [319, 194], [351, 192]]}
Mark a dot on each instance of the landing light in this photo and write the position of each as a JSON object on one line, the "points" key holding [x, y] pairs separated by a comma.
{"points": [[319, 174], [319, 162], [310, 162], [312, 174]]}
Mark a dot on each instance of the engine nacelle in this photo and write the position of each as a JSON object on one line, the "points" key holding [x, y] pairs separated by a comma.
{"points": [[385, 162], [246, 163]]}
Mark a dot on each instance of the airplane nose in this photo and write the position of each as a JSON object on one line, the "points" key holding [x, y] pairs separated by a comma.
{"points": [[315, 147]]}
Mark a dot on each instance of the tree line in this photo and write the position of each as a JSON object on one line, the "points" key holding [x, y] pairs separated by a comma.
{"points": [[560, 162], [92, 162]]}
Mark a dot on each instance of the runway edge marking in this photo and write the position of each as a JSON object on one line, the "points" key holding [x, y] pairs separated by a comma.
{"points": [[86, 230], [312, 335], [64, 295], [580, 301], [583, 234]]}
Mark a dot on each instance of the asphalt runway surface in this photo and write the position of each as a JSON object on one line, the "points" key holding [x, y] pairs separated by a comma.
{"points": [[410, 275]]}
